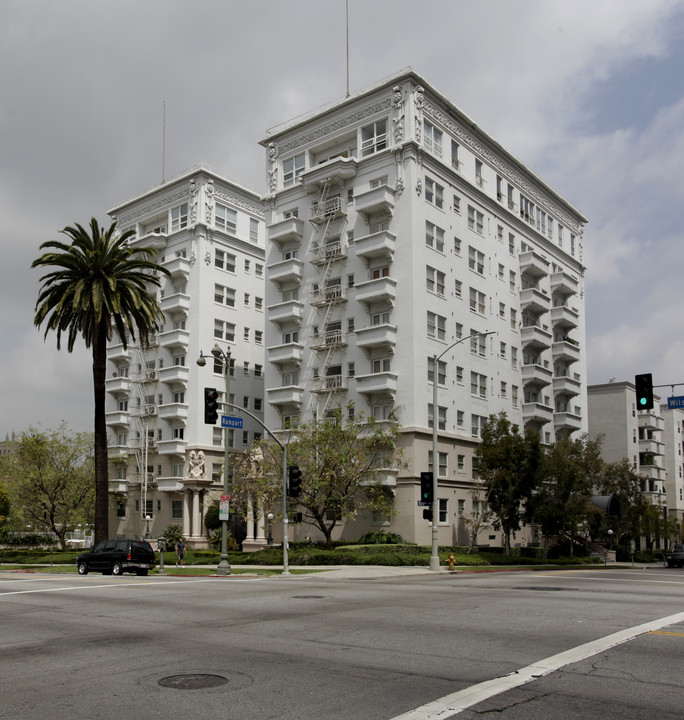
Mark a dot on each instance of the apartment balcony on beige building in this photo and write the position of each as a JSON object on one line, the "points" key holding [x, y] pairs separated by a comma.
{"points": [[566, 351], [291, 311], [286, 231], [651, 446], [533, 264], [173, 411], [649, 420], [285, 271], [175, 303], [174, 446], [329, 174], [376, 246], [536, 413], [178, 266], [382, 289], [330, 294], [328, 340], [534, 300], [173, 375], [327, 210], [329, 383], [376, 201], [329, 251], [118, 385], [564, 316], [288, 353], [118, 419], [567, 420], [288, 395], [116, 353], [381, 382], [536, 375], [176, 339], [535, 336], [563, 284], [567, 385], [376, 337]]}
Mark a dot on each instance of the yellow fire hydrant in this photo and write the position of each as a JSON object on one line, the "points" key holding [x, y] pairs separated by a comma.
{"points": [[451, 562]]}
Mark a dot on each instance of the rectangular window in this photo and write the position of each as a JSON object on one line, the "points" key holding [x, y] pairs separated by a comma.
{"points": [[514, 395], [460, 463], [380, 366], [258, 337], [479, 181], [434, 280], [443, 511], [514, 319], [476, 424], [177, 509], [443, 467], [224, 330], [224, 295], [476, 260], [436, 326], [432, 138], [179, 217], [373, 137], [434, 236], [477, 301], [253, 230], [434, 193], [514, 357], [455, 163], [224, 260], [511, 280], [458, 288], [258, 303], [225, 218], [478, 343], [511, 243], [441, 371], [475, 220], [292, 169], [457, 246], [478, 385], [441, 411]]}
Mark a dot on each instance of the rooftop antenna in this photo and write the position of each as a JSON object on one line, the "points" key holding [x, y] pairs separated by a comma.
{"points": [[347, 2], [163, 180]]}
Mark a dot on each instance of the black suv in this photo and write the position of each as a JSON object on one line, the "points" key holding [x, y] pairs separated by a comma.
{"points": [[115, 557], [676, 556]]}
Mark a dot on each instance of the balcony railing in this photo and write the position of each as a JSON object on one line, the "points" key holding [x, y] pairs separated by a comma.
{"points": [[327, 210]]}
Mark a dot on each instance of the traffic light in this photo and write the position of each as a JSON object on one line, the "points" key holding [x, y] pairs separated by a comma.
{"points": [[644, 391], [295, 481], [427, 514], [426, 494], [210, 406]]}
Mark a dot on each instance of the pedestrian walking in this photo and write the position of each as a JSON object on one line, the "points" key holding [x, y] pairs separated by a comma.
{"points": [[180, 552]]}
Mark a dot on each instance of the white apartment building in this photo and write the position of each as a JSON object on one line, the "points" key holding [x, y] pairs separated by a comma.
{"points": [[396, 228], [673, 438], [637, 435], [166, 463]]}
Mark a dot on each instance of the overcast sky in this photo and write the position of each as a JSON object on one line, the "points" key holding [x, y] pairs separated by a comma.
{"points": [[587, 93]]}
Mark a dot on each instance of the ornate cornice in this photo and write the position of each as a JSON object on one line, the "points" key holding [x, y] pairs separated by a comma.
{"points": [[235, 200], [154, 205], [335, 125], [502, 167]]}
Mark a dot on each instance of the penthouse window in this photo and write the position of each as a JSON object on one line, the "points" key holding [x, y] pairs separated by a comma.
{"points": [[292, 169], [179, 217], [373, 137], [432, 138], [225, 218]]}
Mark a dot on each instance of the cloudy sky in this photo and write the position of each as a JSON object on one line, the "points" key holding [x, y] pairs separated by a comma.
{"points": [[587, 93]]}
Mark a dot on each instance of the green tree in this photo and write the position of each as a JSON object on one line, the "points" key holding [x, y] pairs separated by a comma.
{"points": [[510, 465], [620, 479], [341, 462], [98, 286], [562, 505], [50, 478]]}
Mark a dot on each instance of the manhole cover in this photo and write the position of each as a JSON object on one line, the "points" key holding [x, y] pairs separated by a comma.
{"points": [[193, 681], [308, 597]]}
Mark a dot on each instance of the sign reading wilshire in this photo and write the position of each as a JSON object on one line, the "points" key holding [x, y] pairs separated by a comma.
{"points": [[675, 403]]}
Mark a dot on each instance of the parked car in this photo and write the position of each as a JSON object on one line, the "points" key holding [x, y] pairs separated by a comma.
{"points": [[675, 558], [116, 557]]}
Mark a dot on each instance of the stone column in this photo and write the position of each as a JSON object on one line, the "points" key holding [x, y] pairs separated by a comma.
{"points": [[196, 519], [186, 513], [261, 528]]}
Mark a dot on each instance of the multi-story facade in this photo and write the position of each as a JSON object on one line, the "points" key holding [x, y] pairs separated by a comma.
{"points": [[397, 228], [164, 461], [637, 435], [673, 438]]}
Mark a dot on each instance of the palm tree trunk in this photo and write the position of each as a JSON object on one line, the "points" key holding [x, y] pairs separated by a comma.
{"points": [[101, 459]]}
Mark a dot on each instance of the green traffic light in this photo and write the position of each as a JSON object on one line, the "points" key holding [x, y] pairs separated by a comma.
{"points": [[642, 401]]}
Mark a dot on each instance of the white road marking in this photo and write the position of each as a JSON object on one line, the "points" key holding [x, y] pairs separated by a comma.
{"points": [[450, 705]]}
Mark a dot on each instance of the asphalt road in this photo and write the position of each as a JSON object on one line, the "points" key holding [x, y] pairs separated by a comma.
{"points": [[584, 644]]}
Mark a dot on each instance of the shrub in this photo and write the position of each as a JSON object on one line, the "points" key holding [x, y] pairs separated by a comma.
{"points": [[380, 537]]}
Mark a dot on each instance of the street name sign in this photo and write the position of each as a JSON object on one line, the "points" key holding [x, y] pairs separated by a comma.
{"points": [[675, 403], [230, 421]]}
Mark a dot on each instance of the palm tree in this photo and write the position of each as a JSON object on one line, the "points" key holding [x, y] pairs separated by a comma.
{"points": [[99, 285]]}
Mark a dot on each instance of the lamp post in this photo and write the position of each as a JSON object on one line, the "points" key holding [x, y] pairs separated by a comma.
{"points": [[147, 527], [269, 517], [223, 568], [434, 557]]}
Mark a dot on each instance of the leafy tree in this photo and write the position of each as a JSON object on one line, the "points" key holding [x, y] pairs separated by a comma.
{"points": [[620, 479], [50, 479], [339, 460], [4, 506], [98, 286], [510, 466], [562, 505]]}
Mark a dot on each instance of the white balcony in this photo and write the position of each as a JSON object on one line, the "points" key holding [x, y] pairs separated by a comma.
{"points": [[377, 336], [283, 354], [178, 266], [563, 284], [174, 339], [536, 375], [566, 385], [329, 383], [649, 420], [145, 409], [534, 300], [378, 201], [535, 336], [329, 173], [386, 477], [286, 395], [567, 421], [117, 419], [652, 472], [565, 351], [383, 382], [177, 302], [651, 446], [116, 352], [172, 447], [327, 252], [382, 289], [329, 340], [285, 271], [286, 231], [169, 484], [174, 374], [154, 240], [536, 414], [533, 264], [118, 385], [564, 316], [118, 486], [376, 246], [287, 312], [173, 411]]}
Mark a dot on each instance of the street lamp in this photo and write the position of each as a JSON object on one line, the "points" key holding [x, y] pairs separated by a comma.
{"points": [[434, 557], [270, 529], [147, 527], [223, 357]]}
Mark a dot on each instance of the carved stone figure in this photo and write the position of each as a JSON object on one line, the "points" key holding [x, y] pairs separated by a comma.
{"points": [[272, 167], [209, 201], [197, 465], [256, 457], [193, 202]]}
